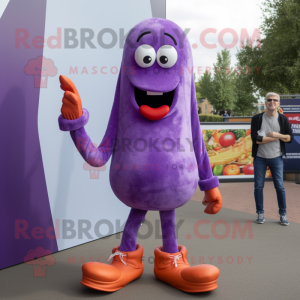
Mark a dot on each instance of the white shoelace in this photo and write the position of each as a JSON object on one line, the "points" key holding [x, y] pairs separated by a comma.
{"points": [[120, 255], [176, 257]]}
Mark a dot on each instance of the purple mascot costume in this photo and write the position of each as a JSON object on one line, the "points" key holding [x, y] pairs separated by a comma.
{"points": [[154, 116]]}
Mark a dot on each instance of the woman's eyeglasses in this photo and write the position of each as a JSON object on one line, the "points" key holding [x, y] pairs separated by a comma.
{"points": [[275, 100]]}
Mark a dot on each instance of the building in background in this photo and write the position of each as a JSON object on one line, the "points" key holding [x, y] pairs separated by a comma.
{"points": [[206, 107], [260, 107]]}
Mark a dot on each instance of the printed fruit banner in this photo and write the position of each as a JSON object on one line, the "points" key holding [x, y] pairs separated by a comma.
{"points": [[230, 152]]}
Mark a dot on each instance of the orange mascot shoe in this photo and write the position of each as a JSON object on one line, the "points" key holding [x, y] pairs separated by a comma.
{"points": [[174, 269], [125, 267]]}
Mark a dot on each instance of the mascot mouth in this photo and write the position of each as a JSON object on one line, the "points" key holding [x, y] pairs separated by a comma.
{"points": [[153, 105]]}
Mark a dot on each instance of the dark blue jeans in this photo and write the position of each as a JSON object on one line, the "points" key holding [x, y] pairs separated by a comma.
{"points": [[276, 168]]}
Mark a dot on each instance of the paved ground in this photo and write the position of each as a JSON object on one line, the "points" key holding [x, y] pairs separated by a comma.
{"points": [[261, 262], [240, 197]]}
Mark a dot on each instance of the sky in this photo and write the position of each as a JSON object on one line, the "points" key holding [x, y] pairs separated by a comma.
{"points": [[200, 15]]}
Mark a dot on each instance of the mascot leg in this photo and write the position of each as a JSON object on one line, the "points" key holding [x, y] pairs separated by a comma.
{"points": [[134, 221], [168, 228], [172, 267], [127, 264]]}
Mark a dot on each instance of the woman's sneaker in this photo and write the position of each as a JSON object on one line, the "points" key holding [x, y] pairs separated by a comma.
{"points": [[283, 220], [260, 218]]}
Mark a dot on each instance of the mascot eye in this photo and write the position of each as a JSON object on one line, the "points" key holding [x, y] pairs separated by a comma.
{"points": [[166, 56], [145, 56]]}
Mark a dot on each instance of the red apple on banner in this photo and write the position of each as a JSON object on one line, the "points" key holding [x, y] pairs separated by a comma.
{"points": [[248, 169], [227, 139]]}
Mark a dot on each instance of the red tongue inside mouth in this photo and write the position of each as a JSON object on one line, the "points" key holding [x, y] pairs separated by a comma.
{"points": [[154, 114]]}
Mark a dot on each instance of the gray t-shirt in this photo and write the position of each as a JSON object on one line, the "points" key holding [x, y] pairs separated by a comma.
{"points": [[272, 149]]}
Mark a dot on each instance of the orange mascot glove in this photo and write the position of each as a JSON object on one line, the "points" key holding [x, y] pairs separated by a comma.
{"points": [[213, 201], [72, 107]]}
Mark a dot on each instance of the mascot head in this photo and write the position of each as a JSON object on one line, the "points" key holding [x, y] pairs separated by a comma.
{"points": [[157, 69]]}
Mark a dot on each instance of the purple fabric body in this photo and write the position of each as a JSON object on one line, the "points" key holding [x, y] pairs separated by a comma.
{"points": [[155, 164]]}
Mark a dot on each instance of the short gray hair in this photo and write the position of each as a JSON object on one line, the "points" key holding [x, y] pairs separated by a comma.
{"points": [[271, 94]]}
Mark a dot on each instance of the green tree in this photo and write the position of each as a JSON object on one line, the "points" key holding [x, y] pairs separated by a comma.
{"points": [[275, 63], [245, 92], [205, 86], [198, 94], [220, 88], [246, 100], [223, 85]]}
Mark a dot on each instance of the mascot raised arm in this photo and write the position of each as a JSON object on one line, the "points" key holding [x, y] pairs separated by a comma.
{"points": [[154, 137]]}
